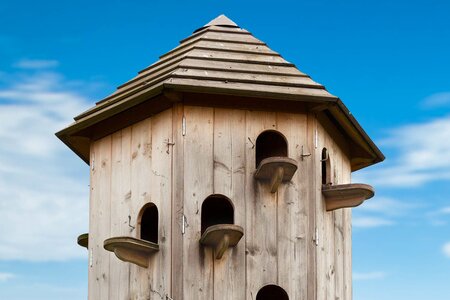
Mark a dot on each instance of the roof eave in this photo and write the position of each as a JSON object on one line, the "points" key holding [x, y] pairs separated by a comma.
{"points": [[73, 138], [376, 154]]}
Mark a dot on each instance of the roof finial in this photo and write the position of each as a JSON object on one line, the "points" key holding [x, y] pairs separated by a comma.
{"points": [[221, 20]]}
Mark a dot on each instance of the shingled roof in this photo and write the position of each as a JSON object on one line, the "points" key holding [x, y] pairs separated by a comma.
{"points": [[218, 58]]}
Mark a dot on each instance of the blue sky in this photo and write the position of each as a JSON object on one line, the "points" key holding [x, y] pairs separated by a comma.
{"points": [[387, 60]]}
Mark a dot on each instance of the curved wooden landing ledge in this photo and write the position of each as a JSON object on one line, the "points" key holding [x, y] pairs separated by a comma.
{"points": [[276, 169], [221, 237], [346, 195], [83, 240], [130, 249]]}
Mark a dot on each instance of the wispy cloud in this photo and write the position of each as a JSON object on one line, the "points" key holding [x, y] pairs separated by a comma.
{"points": [[437, 100], [439, 217], [420, 155], [6, 276], [36, 64], [381, 211], [386, 206], [368, 276], [370, 222], [43, 187], [446, 249]]}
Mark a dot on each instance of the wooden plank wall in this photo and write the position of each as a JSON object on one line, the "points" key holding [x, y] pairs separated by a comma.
{"points": [[276, 247], [121, 208], [131, 168], [99, 215], [334, 228], [198, 281], [229, 180], [216, 155]]}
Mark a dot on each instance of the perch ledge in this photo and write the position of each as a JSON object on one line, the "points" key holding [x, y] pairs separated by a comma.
{"points": [[221, 237], [83, 240], [132, 250], [277, 170], [346, 195]]}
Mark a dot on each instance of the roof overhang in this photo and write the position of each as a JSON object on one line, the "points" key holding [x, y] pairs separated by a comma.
{"points": [[99, 123], [242, 72]]}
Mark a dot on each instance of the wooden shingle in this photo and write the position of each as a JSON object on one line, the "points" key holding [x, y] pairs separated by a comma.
{"points": [[219, 58]]}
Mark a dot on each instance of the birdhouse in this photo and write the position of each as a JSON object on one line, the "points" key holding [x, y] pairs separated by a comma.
{"points": [[221, 171]]}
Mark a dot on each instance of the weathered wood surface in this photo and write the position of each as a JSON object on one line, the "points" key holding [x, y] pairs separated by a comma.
{"points": [[293, 238], [347, 233], [121, 208], [99, 220], [346, 195], [333, 255], [241, 67], [276, 170], [295, 81], [177, 203], [157, 161], [161, 194], [230, 181], [141, 166], [308, 167], [220, 237], [129, 249], [198, 261], [261, 212]]}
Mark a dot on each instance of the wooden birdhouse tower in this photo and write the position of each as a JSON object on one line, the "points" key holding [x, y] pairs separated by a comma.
{"points": [[221, 172]]}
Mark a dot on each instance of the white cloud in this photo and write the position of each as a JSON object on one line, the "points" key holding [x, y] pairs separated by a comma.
{"points": [[445, 210], [368, 276], [446, 249], [43, 186], [382, 211], [421, 155], [439, 217], [437, 100], [370, 222], [6, 276], [386, 206], [36, 64]]}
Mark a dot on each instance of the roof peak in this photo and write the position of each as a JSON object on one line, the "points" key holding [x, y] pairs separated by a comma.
{"points": [[221, 20]]}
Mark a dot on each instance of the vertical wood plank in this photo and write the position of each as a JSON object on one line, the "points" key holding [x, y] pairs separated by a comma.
{"points": [[198, 184], [177, 202], [312, 197], [322, 247], [140, 195], [328, 219], [347, 224], [293, 213], [120, 209], [338, 226], [261, 211], [160, 194], [99, 221], [229, 180]]}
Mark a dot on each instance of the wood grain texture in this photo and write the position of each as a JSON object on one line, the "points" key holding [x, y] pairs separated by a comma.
{"points": [[261, 212], [160, 273], [121, 209], [198, 261], [177, 203], [310, 194], [292, 213], [347, 233], [99, 221], [141, 166], [229, 180], [157, 161]]}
